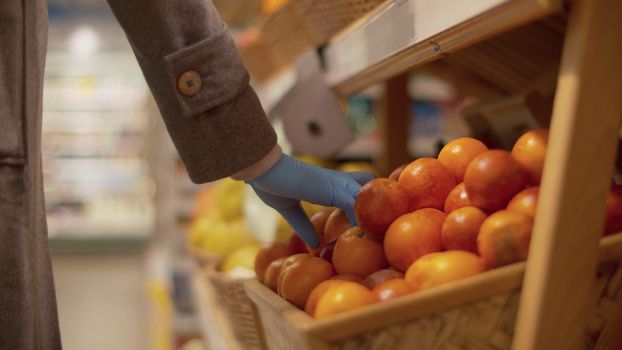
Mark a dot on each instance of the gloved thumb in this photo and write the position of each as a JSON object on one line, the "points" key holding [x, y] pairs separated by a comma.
{"points": [[345, 197], [298, 220]]}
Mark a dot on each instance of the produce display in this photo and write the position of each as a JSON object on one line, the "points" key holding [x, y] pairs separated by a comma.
{"points": [[218, 228], [219, 232], [432, 222]]}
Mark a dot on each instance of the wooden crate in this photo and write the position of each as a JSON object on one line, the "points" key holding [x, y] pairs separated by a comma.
{"points": [[475, 313]]}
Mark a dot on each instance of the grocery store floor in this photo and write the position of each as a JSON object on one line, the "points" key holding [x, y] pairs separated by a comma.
{"points": [[102, 301]]}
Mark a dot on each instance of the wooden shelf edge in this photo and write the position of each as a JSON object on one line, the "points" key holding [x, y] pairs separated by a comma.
{"points": [[503, 17]]}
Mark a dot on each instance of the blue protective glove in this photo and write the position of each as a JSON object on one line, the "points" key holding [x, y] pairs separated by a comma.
{"points": [[290, 180]]}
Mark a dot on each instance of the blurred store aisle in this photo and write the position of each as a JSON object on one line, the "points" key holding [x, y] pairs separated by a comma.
{"points": [[101, 301]]}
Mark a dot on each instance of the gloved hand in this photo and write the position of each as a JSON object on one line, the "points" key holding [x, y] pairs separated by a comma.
{"points": [[290, 180]]}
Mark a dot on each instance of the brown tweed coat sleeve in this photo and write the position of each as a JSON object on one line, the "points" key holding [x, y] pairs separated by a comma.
{"points": [[200, 84]]}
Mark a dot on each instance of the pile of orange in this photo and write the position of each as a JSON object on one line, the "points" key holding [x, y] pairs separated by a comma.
{"points": [[432, 222]]}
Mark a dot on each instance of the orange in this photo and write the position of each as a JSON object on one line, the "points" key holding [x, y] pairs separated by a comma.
{"points": [[270, 6], [336, 224], [379, 277], [267, 254], [355, 253], [439, 268], [299, 279], [296, 245], [613, 217], [457, 155], [395, 174], [326, 251], [317, 292], [203, 201], [525, 201], [460, 229], [412, 236], [342, 297], [492, 179], [271, 277], [378, 204], [392, 289], [530, 151], [427, 182], [504, 238], [349, 277], [289, 261], [457, 198], [319, 222]]}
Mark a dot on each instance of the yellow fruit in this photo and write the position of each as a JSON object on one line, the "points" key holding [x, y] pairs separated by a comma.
{"points": [[311, 208], [229, 198], [243, 257], [225, 237], [314, 161], [197, 230], [358, 166], [283, 230], [200, 227]]}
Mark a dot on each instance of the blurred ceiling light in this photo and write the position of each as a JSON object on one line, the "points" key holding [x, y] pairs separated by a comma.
{"points": [[83, 41]]}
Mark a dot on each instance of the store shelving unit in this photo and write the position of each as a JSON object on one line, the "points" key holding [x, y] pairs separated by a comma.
{"points": [[564, 248], [94, 134], [99, 244], [403, 35]]}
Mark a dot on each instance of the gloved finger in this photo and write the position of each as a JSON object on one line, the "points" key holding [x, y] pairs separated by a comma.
{"points": [[298, 220], [274, 201], [362, 177], [345, 197]]}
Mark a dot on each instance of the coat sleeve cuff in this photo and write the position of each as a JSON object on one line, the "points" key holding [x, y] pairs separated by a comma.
{"points": [[225, 140], [220, 70], [261, 166]]}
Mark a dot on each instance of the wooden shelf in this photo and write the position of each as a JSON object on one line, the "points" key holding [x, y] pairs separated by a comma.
{"points": [[404, 34]]}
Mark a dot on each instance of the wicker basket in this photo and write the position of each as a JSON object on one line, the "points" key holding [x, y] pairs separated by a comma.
{"points": [[299, 26], [240, 311], [475, 313], [325, 18], [261, 61], [287, 34], [215, 324], [203, 258], [238, 11]]}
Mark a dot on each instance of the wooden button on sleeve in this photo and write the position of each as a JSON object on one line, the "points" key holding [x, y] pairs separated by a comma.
{"points": [[189, 83]]}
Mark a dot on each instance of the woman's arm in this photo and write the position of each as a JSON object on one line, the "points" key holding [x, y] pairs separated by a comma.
{"points": [[199, 83]]}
